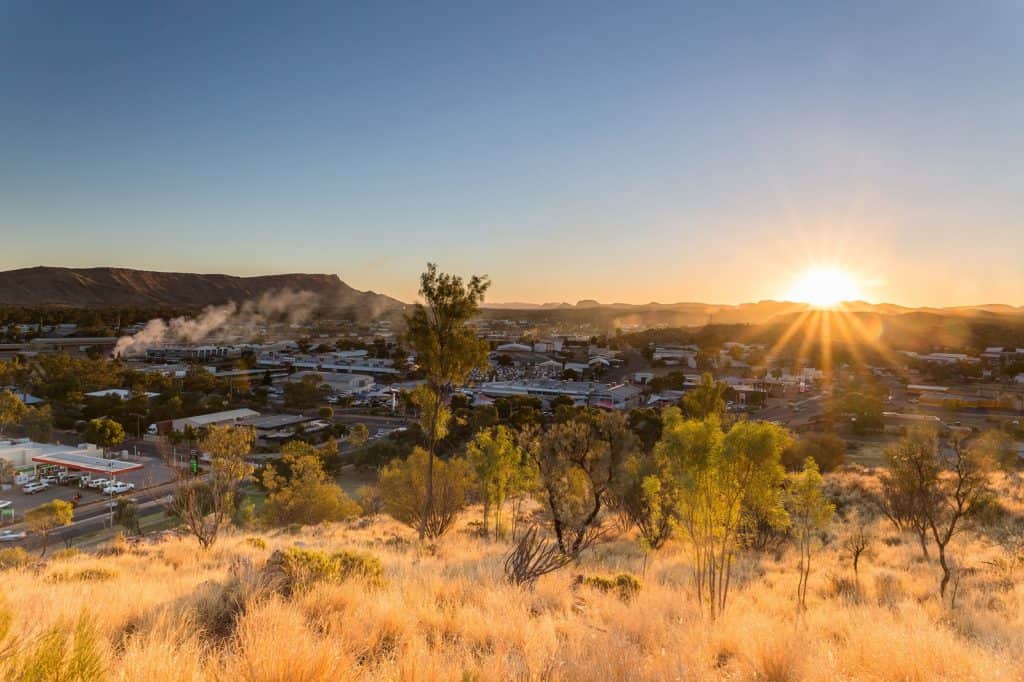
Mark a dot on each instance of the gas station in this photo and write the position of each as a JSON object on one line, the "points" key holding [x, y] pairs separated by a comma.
{"points": [[32, 461], [77, 461]]}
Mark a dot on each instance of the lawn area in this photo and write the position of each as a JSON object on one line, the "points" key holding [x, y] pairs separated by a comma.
{"points": [[350, 479], [149, 523], [868, 451]]}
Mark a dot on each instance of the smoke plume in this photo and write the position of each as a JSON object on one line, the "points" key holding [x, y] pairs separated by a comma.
{"points": [[216, 322]]}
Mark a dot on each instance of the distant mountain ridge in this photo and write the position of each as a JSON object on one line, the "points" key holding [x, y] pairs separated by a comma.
{"points": [[687, 314], [111, 286], [107, 286]]}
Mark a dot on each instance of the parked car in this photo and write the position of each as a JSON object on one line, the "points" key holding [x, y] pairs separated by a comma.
{"points": [[12, 535], [118, 488], [35, 487], [97, 483], [49, 480]]}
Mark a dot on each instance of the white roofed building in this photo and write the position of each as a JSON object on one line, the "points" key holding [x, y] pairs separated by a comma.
{"points": [[200, 421]]}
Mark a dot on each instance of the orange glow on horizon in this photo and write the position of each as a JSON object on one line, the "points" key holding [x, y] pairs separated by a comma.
{"points": [[824, 287]]}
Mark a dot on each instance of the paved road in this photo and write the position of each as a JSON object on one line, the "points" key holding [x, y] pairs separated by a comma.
{"points": [[807, 410], [96, 515]]}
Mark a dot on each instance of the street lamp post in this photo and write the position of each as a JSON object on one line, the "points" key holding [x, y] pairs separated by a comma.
{"points": [[110, 496]]}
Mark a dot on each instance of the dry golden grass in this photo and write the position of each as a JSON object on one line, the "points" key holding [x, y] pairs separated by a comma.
{"points": [[446, 614]]}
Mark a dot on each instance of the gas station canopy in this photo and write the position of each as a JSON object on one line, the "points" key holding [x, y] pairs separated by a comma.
{"points": [[94, 465]]}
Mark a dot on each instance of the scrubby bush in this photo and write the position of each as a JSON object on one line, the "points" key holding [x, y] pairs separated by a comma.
{"points": [[403, 487], [826, 449], [219, 606], [369, 500], [116, 547], [304, 493], [358, 565], [245, 514], [889, 590], [625, 585], [13, 557], [258, 543], [845, 589], [294, 569], [84, 575]]}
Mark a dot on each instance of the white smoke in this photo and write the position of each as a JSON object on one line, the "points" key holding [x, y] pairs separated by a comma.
{"points": [[214, 322]]}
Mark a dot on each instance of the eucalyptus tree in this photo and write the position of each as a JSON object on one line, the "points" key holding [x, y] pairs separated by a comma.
{"points": [[447, 350]]}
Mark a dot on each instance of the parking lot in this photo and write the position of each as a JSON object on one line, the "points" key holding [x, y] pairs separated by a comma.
{"points": [[154, 472]]}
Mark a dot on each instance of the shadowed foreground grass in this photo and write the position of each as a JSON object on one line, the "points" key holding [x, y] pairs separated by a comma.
{"points": [[167, 611]]}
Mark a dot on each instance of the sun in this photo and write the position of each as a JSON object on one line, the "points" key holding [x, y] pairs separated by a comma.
{"points": [[824, 287]]}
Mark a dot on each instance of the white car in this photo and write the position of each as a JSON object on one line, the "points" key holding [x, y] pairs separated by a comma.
{"points": [[12, 535], [49, 480], [118, 488], [33, 488], [97, 483]]}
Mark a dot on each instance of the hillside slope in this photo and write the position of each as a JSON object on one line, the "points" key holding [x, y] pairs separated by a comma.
{"points": [[169, 611], [93, 287]]}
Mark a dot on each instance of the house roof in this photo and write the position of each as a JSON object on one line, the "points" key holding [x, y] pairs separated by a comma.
{"points": [[216, 417]]}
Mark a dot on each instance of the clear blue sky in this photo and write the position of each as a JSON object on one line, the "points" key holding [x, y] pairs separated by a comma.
{"points": [[618, 151]]}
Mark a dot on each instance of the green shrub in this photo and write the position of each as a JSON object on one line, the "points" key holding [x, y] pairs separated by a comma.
{"points": [[245, 514], [258, 543], [625, 585], [294, 569], [359, 565], [13, 557], [84, 575]]}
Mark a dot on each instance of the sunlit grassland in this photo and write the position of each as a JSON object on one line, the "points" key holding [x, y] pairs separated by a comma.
{"points": [[168, 611]]}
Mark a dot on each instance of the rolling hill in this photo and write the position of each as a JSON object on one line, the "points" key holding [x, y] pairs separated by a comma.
{"points": [[104, 287]]}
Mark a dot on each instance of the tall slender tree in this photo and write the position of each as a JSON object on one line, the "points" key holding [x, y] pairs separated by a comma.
{"points": [[447, 349], [205, 504], [496, 459], [809, 513]]}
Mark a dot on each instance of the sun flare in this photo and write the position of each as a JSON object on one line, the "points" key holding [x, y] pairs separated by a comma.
{"points": [[824, 287]]}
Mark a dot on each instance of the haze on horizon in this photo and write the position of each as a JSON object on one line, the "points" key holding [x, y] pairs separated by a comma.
{"points": [[609, 152]]}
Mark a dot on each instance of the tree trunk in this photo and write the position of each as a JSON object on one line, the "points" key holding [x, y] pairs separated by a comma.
{"points": [[428, 497], [946, 572], [922, 536], [487, 516]]}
